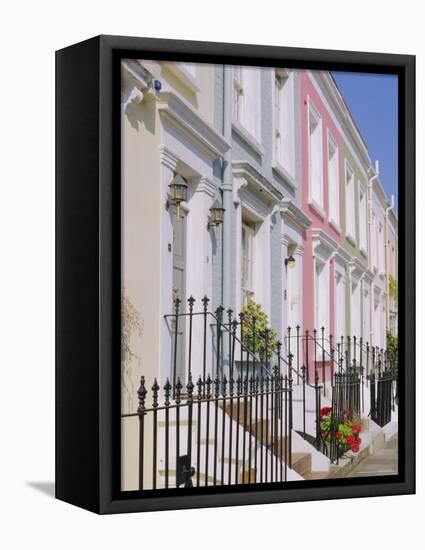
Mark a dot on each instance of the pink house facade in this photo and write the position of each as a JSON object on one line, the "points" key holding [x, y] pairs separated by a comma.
{"points": [[321, 200]]}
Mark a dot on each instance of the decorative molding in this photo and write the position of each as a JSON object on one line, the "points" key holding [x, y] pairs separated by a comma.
{"points": [[135, 97], [167, 157], [290, 211], [238, 184], [254, 204], [343, 255], [257, 183], [285, 175], [139, 82], [207, 185], [368, 276], [173, 109], [323, 246], [356, 269], [142, 76]]}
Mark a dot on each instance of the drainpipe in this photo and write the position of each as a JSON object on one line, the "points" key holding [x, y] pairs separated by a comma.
{"points": [[387, 280], [227, 190], [373, 178]]}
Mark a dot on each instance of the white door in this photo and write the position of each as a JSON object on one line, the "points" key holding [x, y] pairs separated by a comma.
{"points": [[179, 291]]}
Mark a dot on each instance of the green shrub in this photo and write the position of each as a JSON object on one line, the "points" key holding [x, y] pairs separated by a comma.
{"points": [[392, 344], [254, 329]]}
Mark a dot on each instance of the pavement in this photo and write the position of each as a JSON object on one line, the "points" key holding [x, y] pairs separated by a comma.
{"points": [[383, 463]]}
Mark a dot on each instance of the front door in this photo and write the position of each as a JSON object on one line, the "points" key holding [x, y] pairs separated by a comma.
{"points": [[179, 291]]}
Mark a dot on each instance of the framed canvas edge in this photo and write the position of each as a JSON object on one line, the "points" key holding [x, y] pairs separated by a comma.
{"points": [[109, 500]]}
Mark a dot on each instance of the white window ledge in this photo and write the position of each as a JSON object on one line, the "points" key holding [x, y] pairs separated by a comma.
{"points": [[284, 174], [351, 239], [363, 251], [317, 208], [248, 137], [335, 225]]}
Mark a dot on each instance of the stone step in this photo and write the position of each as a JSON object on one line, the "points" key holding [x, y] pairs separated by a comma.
{"points": [[245, 477], [318, 474], [301, 463]]}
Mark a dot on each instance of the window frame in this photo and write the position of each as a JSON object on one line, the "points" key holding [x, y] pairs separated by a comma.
{"points": [[247, 291], [350, 232], [335, 221], [284, 153], [362, 219], [318, 206], [252, 136]]}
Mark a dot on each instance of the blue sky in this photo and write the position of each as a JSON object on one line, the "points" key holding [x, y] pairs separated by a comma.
{"points": [[372, 100]]}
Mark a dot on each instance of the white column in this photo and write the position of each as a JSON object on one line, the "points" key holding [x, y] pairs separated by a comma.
{"points": [[199, 266], [261, 274], [285, 289], [168, 163], [297, 284]]}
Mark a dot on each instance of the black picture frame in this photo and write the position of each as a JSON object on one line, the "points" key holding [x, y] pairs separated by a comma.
{"points": [[88, 272]]}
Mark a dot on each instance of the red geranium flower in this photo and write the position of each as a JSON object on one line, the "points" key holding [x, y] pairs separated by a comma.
{"points": [[358, 440], [355, 448], [351, 439], [324, 411], [357, 428]]}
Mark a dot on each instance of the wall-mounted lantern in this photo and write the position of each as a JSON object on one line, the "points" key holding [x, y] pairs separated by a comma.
{"points": [[178, 193], [290, 261], [216, 216]]}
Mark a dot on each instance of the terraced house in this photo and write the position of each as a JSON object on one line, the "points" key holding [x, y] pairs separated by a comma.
{"points": [[248, 197]]}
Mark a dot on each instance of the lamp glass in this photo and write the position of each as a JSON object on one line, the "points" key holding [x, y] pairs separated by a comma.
{"points": [[290, 262], [178, 190], [217, 215]]}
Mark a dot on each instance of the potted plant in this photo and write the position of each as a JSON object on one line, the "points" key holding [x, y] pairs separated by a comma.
{"points": [[346, 432]]}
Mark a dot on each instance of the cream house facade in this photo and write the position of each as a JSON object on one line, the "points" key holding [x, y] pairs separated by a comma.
{"points": [[166, 132]]}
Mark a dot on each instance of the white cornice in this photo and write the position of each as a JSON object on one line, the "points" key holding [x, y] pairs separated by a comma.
{"points": [[137, 72], [344, 122], [342, 255], [324, 247], [255, 180], [207, 185], [380, 193], [167, 157], [356, 268], [238, 184], [138, 83], [174, 109], [292, 212], [368, 276]]}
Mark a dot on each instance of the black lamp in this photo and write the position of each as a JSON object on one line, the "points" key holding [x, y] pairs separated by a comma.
{"points": [[290, 261]]}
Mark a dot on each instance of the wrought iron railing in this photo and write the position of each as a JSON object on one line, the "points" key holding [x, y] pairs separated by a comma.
{"points": [[221, 432], [345, 407], [235, 426], [383, 394]]}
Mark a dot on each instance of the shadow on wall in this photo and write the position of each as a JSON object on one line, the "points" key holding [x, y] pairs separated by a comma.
{"points": [[141, 115]]}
